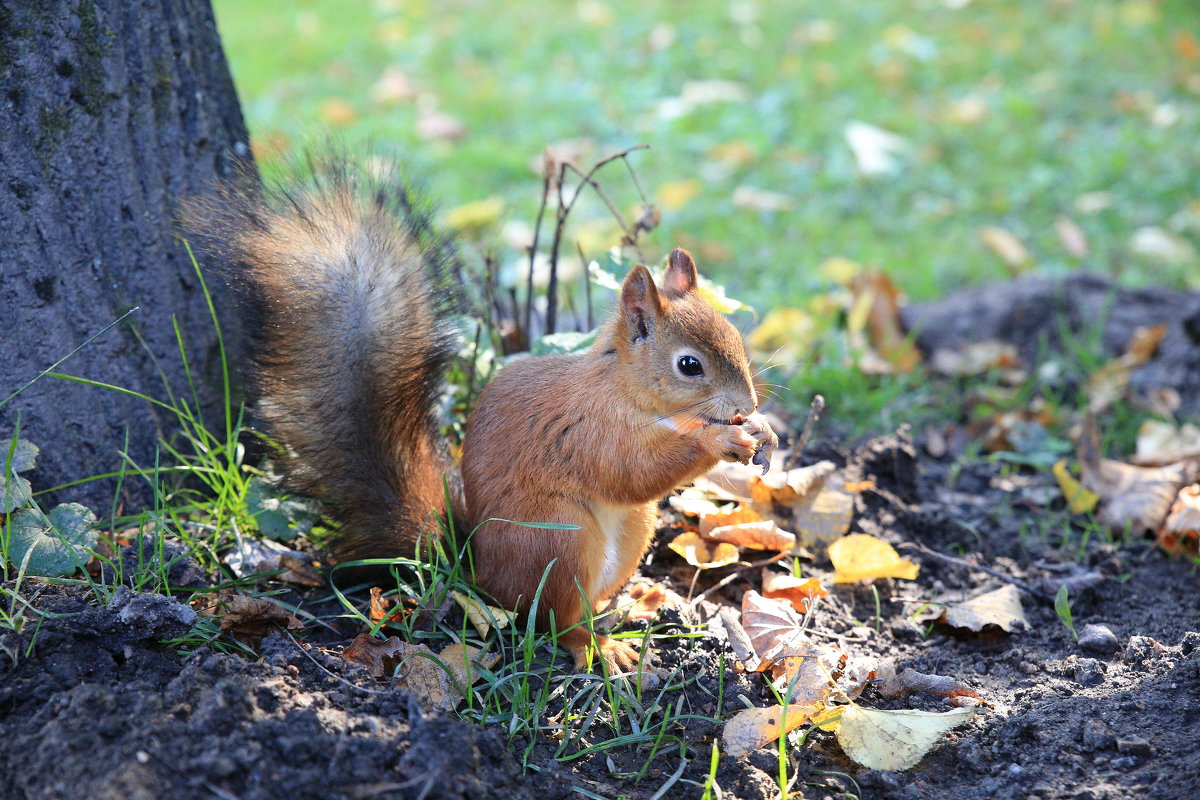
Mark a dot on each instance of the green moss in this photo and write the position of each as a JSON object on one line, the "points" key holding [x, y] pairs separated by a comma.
{"points": [[53, 124], [92, 45]]}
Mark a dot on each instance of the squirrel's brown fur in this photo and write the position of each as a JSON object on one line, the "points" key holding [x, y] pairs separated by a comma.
{"points": [[354, 290]]}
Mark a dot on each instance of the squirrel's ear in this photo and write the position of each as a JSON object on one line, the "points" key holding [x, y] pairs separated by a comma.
{"points": [[681, 273], [640, 304]]}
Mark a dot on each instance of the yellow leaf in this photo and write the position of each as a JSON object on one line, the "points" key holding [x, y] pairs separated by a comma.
{"points": [[748, 730], [702, 554], [829, 719], [860, 557], [1079, 499], [1007, 247], [462, 661], [784, 335], [763, 535], [475, 216], [677, 194], [840, 270], [894, 740], [735, 516]]}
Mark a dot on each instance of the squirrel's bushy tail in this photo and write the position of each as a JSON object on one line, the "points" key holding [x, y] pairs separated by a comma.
{"points": [[350, 296]]}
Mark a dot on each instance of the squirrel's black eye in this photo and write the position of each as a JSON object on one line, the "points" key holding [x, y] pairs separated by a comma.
{"points": [[690, 366]]}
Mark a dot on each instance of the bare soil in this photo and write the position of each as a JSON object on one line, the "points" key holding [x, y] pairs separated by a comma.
{"points": [[93, 704]]}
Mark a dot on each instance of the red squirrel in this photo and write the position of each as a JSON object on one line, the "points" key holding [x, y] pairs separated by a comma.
{"points": [[352, 293]]}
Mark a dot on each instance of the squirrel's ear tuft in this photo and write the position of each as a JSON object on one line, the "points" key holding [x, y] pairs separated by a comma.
{"points": [[681, 273], [640, 303]]}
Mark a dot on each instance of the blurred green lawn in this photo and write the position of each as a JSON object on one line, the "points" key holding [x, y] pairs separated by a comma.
{"points": [[1015, 115]]}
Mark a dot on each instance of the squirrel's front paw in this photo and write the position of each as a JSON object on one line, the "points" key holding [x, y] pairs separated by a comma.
{"points": [[732, 443], [615, 655], [760, 430]]}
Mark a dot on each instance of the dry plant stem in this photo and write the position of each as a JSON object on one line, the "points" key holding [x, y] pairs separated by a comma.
{"points": [[961, 562], [731, 577], [587, 286], [814, 414], [547, 171], [560, 220]]}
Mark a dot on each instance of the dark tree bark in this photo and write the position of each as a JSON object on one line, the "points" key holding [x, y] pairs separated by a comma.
{"points": [[111, 113]]}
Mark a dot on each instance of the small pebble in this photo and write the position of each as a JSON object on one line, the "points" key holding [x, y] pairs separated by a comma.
{"points": [[1097, 736], [1026, 668], [1089, 672], [1125, 762], [1098, 639], [1141, 648], [1134, 746], [1191, 641]]}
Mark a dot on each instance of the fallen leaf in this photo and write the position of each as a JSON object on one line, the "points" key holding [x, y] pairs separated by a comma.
{"points": [[379, 656], [788, 486], [894, 740], [909, 681], [432, 124], [1180, 531], [249, 619], [1007, 247], [462, 661], [739, 642], [1073, 239], [801, 667], [694, 503], [764, 535], [476, 216], [727, 481], [702, 554], [1079, 500], [1001, 608], [976, 358], [677, 194], [648, 599], [878, 305], [382, 609], [483, 617], [414, 666], [876, 151], [861, 557], [800, 592], [734, 516], [1132, 498], [253, 556], [748, 730], [1160, 443]]}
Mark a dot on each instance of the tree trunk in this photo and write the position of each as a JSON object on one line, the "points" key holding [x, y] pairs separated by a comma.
{"points": [[111, 113]]}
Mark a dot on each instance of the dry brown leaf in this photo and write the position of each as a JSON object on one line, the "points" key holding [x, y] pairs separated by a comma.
{"points": [[748, 730], [1001, 608], [702, 554], [735, 516], [801, 667], [800, 592], [415, 666], [1007, 247], [861, 557], [379, 656], [910, 680], [1133, 498], [765, 535], [249, 619], [874, 291], [822, 516], [789, 486], [1180, 532], [380, 608], [976, 358], [648, 599], [739, 642], [1110, 382], [462, 660]]}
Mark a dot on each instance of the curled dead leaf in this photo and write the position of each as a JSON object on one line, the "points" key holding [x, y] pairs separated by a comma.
{"points": [[1007, 247], [735, 516], [483, 617], [765, 535], [1180, 532], [800, 667], [249, 619], [800, 592], [876, 311], [1160, 443], [702, 554]]}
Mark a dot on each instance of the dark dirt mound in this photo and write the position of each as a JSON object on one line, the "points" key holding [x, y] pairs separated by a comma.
{"points": [[99, 708], [1042, 315]]}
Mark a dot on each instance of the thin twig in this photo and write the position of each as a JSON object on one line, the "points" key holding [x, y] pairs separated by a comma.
{"points": [[547, 170], [587, 285], [961, 562], [333, 675], [731, 577], [814, 414]]}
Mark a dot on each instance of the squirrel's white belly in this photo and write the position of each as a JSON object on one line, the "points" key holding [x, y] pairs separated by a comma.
{"points": [[612, 522]]}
